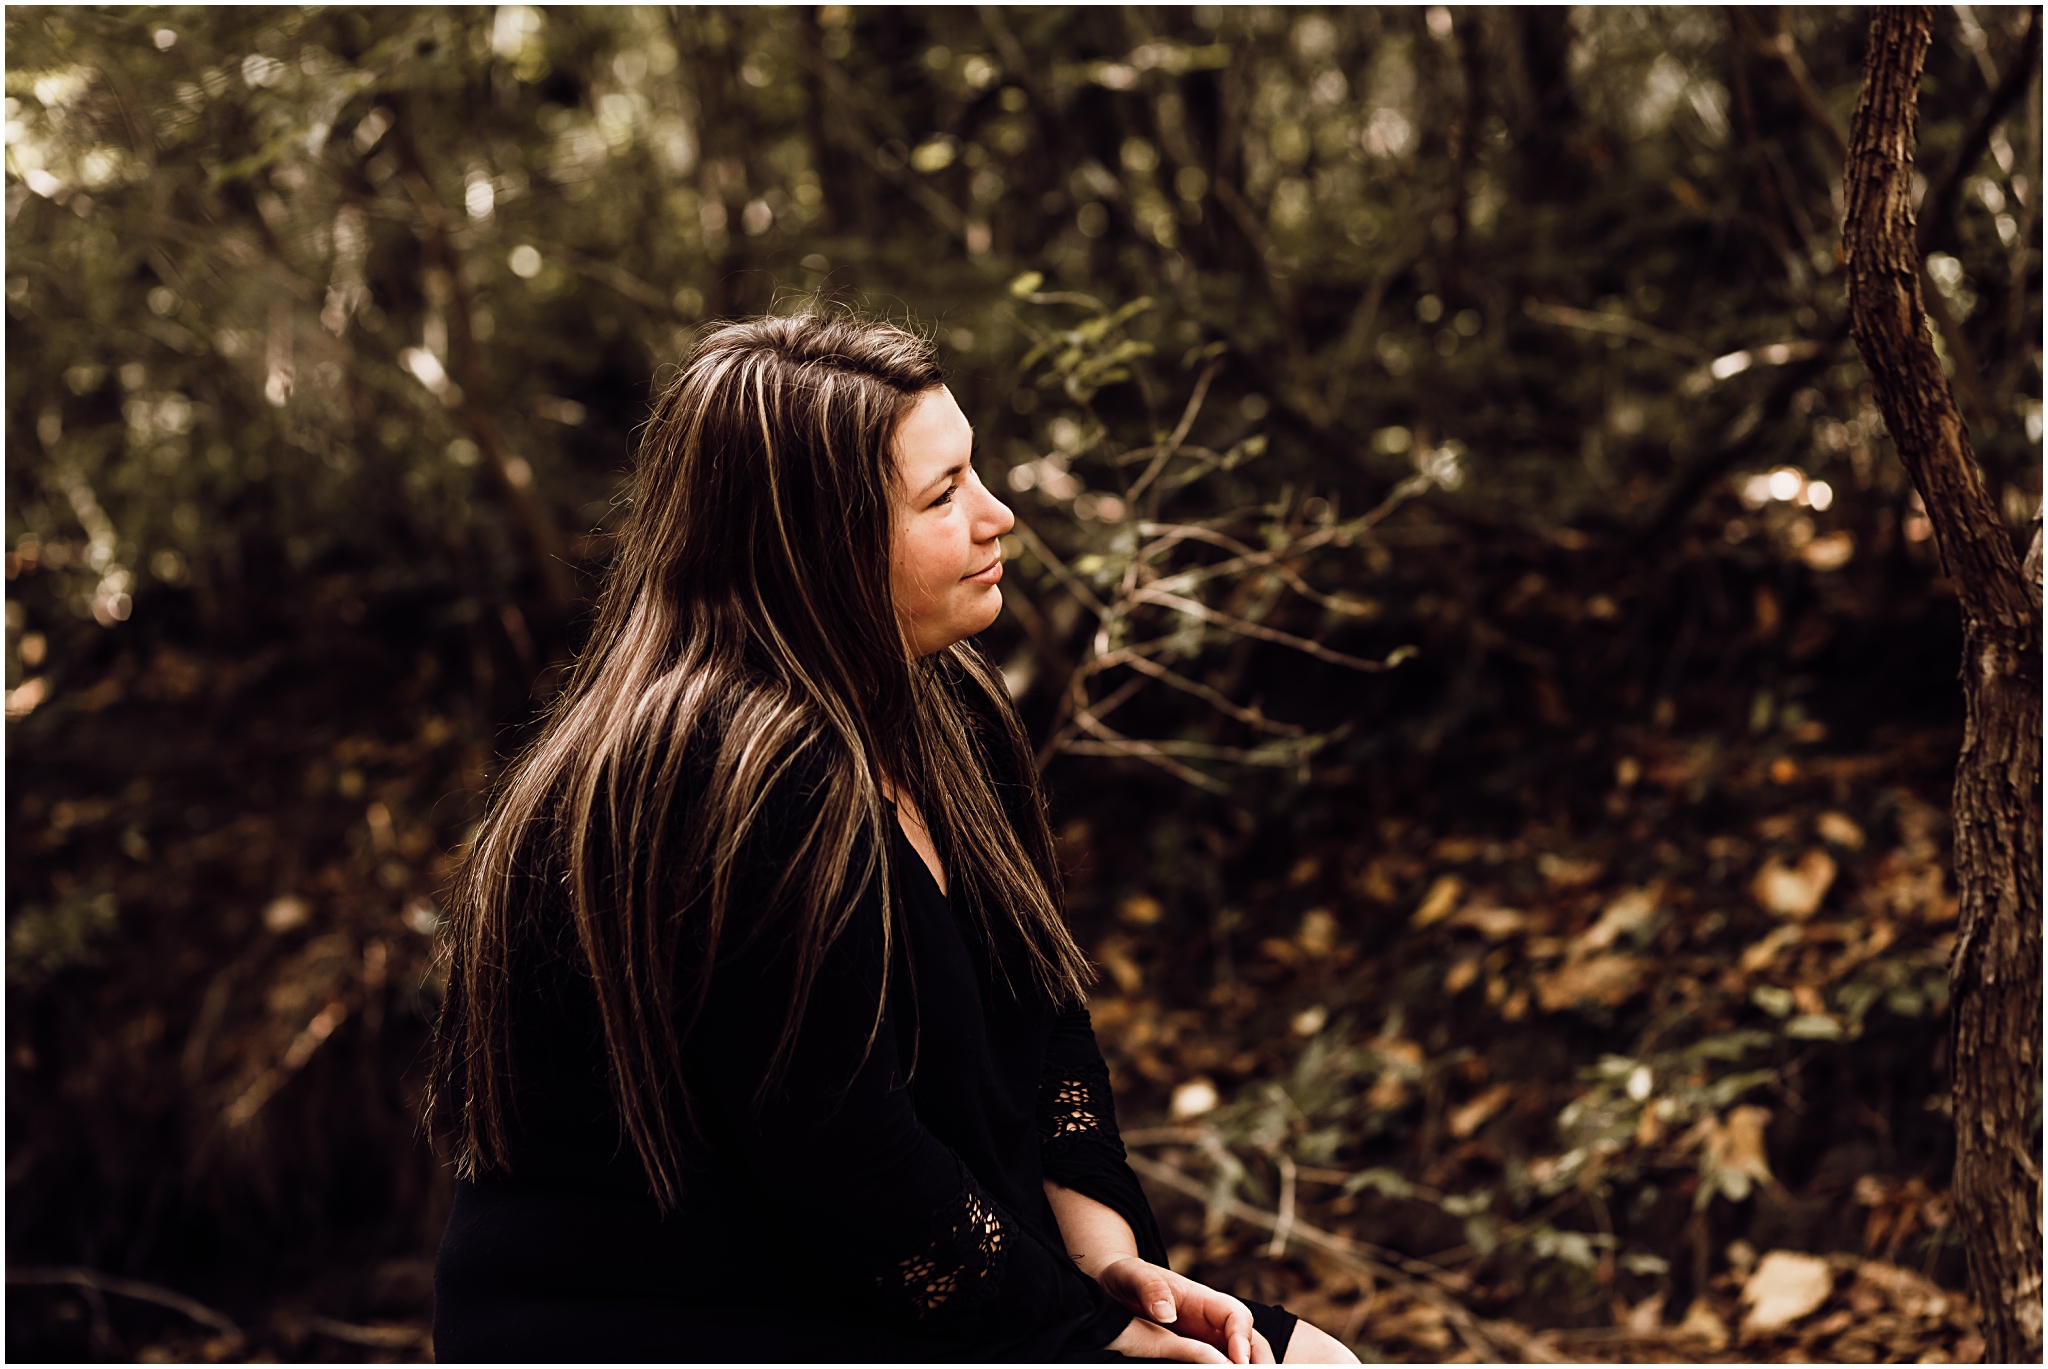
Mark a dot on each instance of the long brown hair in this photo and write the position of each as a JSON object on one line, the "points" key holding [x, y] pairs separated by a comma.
{"points": [[748, 618]]}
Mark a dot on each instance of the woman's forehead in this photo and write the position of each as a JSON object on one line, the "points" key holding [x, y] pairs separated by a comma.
{"points": [[932, 438]]}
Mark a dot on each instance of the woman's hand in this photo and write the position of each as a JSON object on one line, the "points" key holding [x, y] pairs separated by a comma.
{"points": [[1199, 1316], [1146, 1340]]}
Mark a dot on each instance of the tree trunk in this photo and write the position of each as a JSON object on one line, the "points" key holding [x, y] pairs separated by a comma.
{"points": [[1995, 971]]}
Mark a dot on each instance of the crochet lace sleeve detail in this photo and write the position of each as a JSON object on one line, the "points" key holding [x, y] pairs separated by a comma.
{"points": [[1074, 1103], [961, 1267]]}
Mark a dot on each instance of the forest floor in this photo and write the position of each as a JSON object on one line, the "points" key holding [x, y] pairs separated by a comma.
{"points": [[1663, 1085], [1668, 1090]]}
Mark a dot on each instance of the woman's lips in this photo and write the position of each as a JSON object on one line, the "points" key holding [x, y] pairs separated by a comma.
{"points": [[988, 575]]}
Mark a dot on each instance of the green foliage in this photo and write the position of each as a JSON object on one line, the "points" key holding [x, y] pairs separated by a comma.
{"points": [[43, 941]]}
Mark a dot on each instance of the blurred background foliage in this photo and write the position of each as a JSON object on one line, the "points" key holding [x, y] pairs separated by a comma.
{"points": [[1492, 671]]}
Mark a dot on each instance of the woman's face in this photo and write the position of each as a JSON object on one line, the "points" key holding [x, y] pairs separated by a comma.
{"points": [[945, 564]]}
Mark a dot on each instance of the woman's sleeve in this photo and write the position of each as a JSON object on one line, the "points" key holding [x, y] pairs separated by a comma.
{"points": [[870, 1199], [1078, 1141]]}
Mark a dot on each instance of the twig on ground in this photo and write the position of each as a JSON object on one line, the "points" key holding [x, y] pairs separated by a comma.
{"points": [[1283, 1221], [1487, 1339], [245, 1107], [77, 1276], [387, 1337]]}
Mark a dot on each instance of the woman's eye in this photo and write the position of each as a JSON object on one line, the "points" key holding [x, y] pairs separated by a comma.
{"points": [[945, 498]]}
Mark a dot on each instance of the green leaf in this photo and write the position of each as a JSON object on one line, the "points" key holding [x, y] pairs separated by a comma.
{"points": [[1380, 1180], [1772, 999]]}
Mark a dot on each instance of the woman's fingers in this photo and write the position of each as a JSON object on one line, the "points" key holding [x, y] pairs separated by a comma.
{"points": [[1238, 1333], [1262, 1350], [1143, 1287], [1144, 1340], [1220, 1318]]}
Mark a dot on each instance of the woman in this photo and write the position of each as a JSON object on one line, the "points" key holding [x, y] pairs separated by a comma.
{"points": [[763, 1037]]}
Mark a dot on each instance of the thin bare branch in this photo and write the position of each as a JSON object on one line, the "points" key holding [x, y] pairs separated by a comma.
{"points": [[1234, 203], [1116, 743], [619, 279], [1352, 348], [849, 98], [1179, 434], [1780, 48], [1937, 209], [1968, 375], [1615, 325], [1095, 665], [513, 478], [1196, 609], [1194, 751], [1246, 558], [1076, 713], [1076, 586], [1251, 717]]}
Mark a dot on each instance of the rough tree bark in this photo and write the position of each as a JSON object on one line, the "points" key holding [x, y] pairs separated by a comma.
{"points": [[1995, 970]]}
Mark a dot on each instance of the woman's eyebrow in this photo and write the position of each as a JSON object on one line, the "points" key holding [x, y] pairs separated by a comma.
{"points": [[973, 452], [942, 477]]}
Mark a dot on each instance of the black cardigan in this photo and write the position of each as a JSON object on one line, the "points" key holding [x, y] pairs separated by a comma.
{"points": [[882, 1204]]}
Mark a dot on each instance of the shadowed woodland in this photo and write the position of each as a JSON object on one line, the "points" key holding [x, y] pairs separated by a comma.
{"points": [[1496, 681]]}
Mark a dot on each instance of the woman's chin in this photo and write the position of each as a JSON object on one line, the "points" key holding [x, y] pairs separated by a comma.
{"points": [[995, 607]]}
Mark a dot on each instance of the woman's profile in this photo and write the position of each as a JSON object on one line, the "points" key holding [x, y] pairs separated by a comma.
{"points": [[764, 1037]]}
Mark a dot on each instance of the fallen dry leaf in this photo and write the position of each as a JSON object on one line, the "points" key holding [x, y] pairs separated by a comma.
{"points": [[1702, 1323], [1564, 872], [1192, 1099], [1387, 1094], [1115, 956], [1623, 915], [1494, 924], [1318, 934], [1795, 891], [283, 914], [1736, 1149], [1469, 1117], [1439, 902], [1760, 955], [1141, 910], [1839, 829], [1908, 890], [1911, 1293], [1608, 979], [1784, 1287]]}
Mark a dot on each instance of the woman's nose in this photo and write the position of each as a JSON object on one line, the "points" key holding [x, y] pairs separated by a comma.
{"points": [[994, 518]]}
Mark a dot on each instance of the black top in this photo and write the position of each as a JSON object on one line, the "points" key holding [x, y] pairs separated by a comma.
{"points": [[879, 1208]]}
